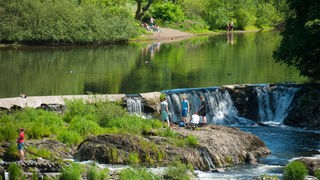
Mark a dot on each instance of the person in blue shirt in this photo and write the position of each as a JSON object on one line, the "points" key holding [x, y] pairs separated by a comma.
{"points": [[185, 108]]}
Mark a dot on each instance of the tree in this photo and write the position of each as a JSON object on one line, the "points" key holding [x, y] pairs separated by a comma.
{"points": [[300, 46], [142, 10]]}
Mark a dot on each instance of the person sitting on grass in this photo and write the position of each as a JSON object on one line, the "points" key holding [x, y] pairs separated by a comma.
{"points": [[194, 121]]}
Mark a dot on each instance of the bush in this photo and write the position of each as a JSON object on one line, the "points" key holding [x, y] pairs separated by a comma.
{"points": [[295, 171], [317, 174], [94, 173], [191, 141], [15, 172], [70, 138], [177, 171], [71, 172], [167, 12], [84, 126], [134, 158], [137, 174], [37, 21]]}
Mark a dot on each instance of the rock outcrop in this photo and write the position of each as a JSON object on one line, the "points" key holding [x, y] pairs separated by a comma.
{"points": [[305, 110], [312, 164], [222, 146]]}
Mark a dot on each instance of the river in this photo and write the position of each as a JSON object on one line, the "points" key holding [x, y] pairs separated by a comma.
{"points": [[243, 58], [240, 58]]}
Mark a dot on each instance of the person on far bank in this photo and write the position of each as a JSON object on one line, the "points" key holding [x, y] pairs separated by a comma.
{"points": [[185, 108], [165, 112], [20, 142], [203, 110]]}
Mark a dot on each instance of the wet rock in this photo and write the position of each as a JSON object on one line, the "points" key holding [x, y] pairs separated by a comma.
{"points": [[227, 146], [305, 110], [224, 147], [312, 164]]}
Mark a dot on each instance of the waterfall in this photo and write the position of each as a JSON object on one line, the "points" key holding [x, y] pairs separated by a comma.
{"points": [[274, 102], [207, 158], [221, 109], [134, 104]]}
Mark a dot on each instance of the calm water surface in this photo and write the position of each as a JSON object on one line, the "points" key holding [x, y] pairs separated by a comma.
{"points": [[198, 62]]}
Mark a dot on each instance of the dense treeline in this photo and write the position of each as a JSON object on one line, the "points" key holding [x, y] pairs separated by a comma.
{"points": [[100, 21], [49, 21]]}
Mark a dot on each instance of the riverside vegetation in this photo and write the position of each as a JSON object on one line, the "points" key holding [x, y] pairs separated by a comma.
{"points": [[79, 121], [109, 21]]}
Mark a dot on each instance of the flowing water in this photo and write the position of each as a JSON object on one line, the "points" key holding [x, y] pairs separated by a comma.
{"points": [[181, 67], [136, 68], [274, 102]]}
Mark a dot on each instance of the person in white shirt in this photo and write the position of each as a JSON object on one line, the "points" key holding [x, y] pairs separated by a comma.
{"points": [[194, 121]]}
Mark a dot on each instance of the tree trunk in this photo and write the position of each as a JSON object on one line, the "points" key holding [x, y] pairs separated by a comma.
{"points": [[141, 11]]}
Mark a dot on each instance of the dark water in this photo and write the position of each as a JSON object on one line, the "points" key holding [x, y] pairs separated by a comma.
{"points": [[198, 62]]}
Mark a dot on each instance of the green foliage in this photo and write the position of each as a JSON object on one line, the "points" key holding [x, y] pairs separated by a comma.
{"points": [[94, 173], [84, 125], [70, 138], [37, 21], [133, 158], [177, 171], [71, 172], [35, 152], [12, 152], [15, 172], [191, 141], [137, 174], [300, 44], [295, 171], [242, 18], [317, 174], [167, 13], [107, 111]]}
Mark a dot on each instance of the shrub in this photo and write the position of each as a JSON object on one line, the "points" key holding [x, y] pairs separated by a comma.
{"points": [[177, 170], [167, 12], [134, 158], [107, 111], [39, 152], [94, 173], [70, 138], [295, 171], [137, 174], [317, 174], [84, 126], [191, 140], [37, 21], [71, 172], [15, 172]]}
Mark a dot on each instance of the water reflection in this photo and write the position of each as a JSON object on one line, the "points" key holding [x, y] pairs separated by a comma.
{"points": [[198, 62], [150, 50], [230, 39]]}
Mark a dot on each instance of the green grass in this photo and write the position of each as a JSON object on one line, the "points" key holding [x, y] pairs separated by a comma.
{"points": [[295, 171], [137, 174], [71, 172]]}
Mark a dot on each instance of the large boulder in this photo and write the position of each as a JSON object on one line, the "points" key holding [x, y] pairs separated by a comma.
{"points": [[305, 110], [218, 147], [228, 146], [312, 164]]}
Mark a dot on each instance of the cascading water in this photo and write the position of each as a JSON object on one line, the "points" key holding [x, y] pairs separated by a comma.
{"points": [[134, 105], [274, 102], [221, 109]]}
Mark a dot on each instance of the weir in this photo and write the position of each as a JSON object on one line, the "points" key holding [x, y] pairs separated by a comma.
{"points": [[272, 103], [134, 104]]}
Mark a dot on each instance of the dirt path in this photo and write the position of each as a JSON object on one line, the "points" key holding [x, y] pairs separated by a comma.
{"points": [[168, 35]]}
